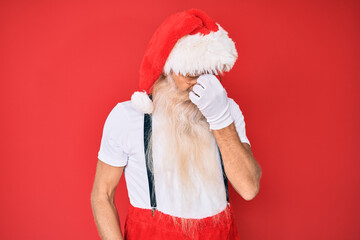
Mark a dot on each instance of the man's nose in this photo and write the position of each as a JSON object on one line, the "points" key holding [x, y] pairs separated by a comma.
{"points": [[192, 83]]}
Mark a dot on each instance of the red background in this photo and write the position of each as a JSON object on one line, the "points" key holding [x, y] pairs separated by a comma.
{"points": [[65, 64]]}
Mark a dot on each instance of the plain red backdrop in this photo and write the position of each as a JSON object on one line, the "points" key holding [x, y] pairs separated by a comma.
{"points": [[65, 64]]}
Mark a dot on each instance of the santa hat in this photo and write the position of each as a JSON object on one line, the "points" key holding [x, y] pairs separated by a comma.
{"points": [[188, 42]]}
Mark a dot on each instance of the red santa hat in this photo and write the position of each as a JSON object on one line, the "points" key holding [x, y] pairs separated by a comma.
{"points": [[188, 42]]}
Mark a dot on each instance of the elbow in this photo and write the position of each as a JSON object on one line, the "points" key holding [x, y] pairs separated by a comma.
{"points": [[250, 195], [94, 197], [248, 191], [99, 195], [97, 200], [252, 191]]}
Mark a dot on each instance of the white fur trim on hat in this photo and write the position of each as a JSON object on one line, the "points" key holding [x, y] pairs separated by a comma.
{"points": [[142, 102], [195, 54]]}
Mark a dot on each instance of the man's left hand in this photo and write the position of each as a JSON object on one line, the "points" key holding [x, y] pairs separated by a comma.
{"points": [[211, 98]]}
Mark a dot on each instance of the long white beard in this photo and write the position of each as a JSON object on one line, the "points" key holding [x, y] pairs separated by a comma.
{"points": [[187, 171]]}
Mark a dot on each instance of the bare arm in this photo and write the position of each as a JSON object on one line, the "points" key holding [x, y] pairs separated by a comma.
{"points": [[102, 201], [241, 168]]}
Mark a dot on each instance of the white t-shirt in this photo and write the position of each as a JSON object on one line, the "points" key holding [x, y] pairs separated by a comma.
{"points": [[122, 144]]}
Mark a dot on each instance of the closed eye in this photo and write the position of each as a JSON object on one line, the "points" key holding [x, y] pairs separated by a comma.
{"points": [[192, 76]]}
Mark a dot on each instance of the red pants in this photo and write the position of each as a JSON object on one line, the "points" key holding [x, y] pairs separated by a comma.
{"points": [[141, 225]]}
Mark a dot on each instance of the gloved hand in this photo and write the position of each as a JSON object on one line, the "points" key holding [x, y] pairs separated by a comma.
{"points": [[212, 101]]}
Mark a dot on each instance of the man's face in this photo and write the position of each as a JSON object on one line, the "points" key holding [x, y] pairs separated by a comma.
{"points": [[184, 83]]}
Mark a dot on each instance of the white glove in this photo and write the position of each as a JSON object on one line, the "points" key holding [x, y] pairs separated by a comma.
{"points": [[212, 101]]}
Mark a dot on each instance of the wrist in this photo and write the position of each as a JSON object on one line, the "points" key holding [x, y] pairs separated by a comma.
{"points": [[221, 121]]}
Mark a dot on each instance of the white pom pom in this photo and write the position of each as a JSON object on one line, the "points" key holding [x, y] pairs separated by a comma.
{"points": [[142, 102]]}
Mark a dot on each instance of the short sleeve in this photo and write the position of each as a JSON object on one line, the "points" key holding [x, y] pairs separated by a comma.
{"points": [[113, 145], [239, 121]]}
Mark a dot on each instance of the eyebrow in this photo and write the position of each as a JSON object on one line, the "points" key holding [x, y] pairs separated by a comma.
{"points": [[190, 75]]}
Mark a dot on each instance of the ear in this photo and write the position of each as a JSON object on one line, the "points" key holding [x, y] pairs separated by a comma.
{"points": [[142, 102]]}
